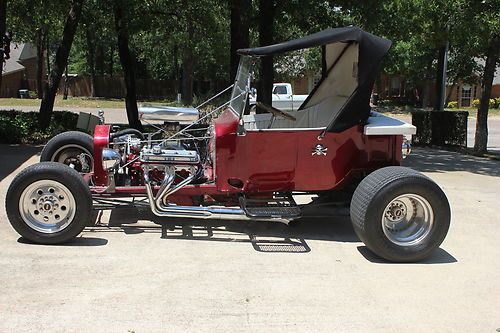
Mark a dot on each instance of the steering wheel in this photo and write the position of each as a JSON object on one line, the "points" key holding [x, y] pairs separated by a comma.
{"points": [[276, 112]]}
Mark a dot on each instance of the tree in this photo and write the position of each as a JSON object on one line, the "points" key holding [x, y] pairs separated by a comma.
{"points": [[266, 72], [128, 64], [191, 37], [3, 19], [188, 63], [481, 139], [240, 31], [483, 28], [32, 21], [60, 62]]}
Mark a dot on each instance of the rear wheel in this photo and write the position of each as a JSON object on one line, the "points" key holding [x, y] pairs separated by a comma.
{"points": [[75, 149], [400, 214], [48, 203]]}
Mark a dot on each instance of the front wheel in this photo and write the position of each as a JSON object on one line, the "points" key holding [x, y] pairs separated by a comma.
{"points": [[400, 214], [48, 203]]}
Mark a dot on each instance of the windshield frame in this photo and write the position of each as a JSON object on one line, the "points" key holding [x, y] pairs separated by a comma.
{"points": [[242, 84]]}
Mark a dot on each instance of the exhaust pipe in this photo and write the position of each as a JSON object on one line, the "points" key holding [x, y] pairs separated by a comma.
{"points": [[159, 207]]}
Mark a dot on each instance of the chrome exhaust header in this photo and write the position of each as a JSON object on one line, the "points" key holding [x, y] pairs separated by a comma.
{"points": [[160, 207]]}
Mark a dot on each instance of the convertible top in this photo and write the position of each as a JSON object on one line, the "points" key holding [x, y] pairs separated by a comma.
{"points": [[366, 52]]}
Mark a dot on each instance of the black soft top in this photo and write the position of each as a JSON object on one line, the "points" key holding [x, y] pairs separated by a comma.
{"points": [[372, 49]]}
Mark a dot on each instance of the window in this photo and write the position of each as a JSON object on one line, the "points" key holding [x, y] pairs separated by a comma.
{"points": [[395, 86], [280, 90], [466, 95]]}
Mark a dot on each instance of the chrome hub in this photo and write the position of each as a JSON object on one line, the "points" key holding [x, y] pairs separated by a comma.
{"points": [[407, 220], [396, 211], [47, 206]]}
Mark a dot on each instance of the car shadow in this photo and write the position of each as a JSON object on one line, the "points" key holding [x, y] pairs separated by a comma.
{"points": [[433, 160], [14, 155], [439, 256], [79, 241], [263, 236]]}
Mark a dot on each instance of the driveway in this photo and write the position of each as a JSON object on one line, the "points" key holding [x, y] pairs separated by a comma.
{"points": [[129, 275]]}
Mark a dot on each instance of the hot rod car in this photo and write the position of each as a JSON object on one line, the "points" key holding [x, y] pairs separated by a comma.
{"points": [[250, 167]]}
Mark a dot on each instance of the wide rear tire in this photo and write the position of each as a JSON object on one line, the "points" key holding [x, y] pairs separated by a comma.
{"points": [[48, 203], [400, 214]]}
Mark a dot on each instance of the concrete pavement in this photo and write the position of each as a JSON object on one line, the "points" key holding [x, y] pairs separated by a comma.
{"points": [[129, 275]]}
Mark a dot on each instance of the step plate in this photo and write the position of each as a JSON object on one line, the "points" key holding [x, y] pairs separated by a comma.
{"points": [[278, 212]]}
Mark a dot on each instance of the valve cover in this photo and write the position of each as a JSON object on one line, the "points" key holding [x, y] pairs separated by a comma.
{"points": [[169, 156]]}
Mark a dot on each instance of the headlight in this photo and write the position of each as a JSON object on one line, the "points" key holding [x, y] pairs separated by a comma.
{"points": [[406, 147], [110, 159]]}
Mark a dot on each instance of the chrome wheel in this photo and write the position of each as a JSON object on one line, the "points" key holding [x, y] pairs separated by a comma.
{"points": [[74, 156], [408, 220], [47, 206]]}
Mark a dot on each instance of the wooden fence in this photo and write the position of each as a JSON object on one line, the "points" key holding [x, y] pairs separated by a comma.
{"points": [[114, 87]]}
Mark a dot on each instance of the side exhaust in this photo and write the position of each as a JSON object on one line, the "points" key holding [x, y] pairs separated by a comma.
{"points": [[159, 207]]}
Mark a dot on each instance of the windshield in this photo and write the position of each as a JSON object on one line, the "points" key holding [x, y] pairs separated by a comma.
{"points": [[241, 85]]}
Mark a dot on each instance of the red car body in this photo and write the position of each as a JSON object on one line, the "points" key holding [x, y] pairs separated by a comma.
{"points": [[263, 162]]}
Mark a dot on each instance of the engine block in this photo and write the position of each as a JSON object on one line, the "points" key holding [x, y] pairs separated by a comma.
{"points": [[156, 155]]}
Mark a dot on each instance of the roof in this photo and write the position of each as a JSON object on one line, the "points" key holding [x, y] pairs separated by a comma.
{"points": [[496, 79], [18, 53], [324, 37], [365, 52]]}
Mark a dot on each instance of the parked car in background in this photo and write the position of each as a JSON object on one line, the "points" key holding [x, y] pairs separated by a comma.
{"points": [[283, 98]]}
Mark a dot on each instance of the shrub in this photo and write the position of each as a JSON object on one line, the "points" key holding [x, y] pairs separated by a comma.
{"points": [[492, 103], [23, 127], [453, 105], [443, 128]]}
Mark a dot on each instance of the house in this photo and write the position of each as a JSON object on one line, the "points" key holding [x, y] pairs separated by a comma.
{"points": [[464, 93], [394, 88], [19, 72]]}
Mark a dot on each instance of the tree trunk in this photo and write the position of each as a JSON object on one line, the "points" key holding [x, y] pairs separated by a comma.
{"points": [[47, 48], [481, 139], [240, 32], [65, 88], [60, 62], [127, 62], [176, 69], [98, 55], [188, 68], [3, 19], [111, 58], [439, 78], [91, 59], [265, 86], [40, 52]]}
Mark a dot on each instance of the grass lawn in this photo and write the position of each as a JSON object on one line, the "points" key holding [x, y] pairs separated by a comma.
{"points": [[408, 109], [473, 111], [74, 102]]}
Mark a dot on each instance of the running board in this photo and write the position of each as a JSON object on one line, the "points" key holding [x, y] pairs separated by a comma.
{"points": [[278, 207]]}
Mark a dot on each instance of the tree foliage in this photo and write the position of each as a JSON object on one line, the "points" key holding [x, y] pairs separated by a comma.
{"points": [[191, 41]]}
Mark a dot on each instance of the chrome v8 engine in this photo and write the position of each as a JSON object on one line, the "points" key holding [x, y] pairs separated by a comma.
{"points": [[157, 155]]}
